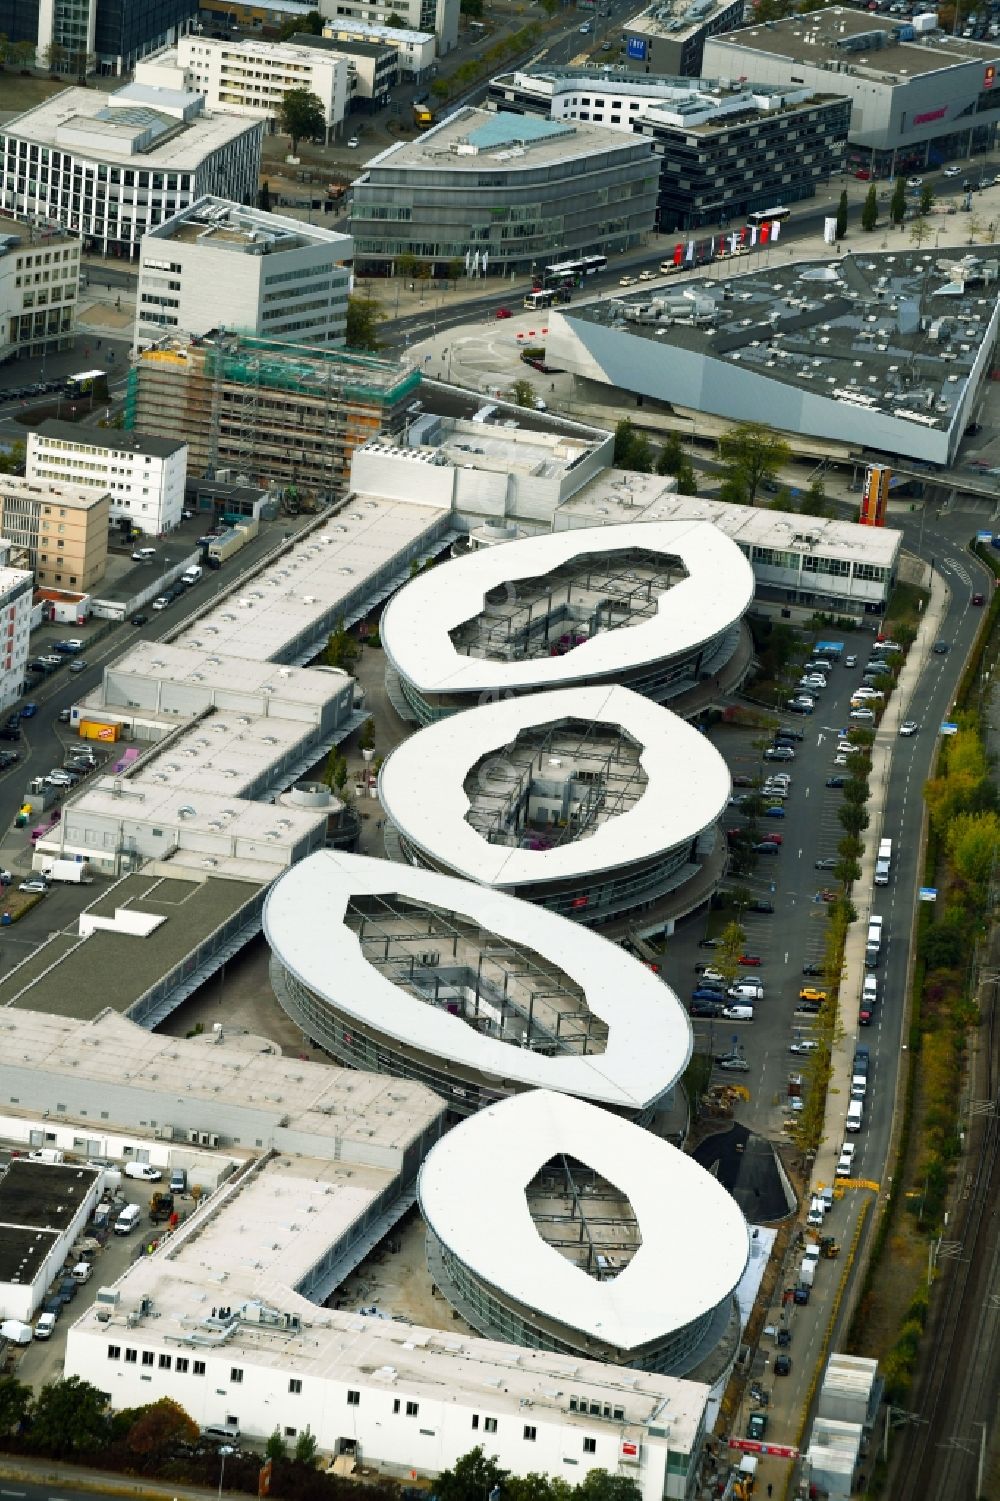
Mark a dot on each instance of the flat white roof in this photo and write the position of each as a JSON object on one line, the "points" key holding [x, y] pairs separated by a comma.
{"points": [[695, 1241], [91, 110], [298, 589], [648, 498], [206, 671], [421, 786], [416, 624], [649, 1034], [140, 800]]}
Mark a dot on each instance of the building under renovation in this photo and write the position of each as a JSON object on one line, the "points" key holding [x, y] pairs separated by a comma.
{"points": [[282, 414]]}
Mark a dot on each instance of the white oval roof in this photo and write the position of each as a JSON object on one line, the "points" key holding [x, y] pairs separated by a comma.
{"points": [[421, 786], [695, 1243], [649, 1033], [415, 625]]}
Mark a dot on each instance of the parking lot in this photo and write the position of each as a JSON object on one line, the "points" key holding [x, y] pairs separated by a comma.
{"points": [[796, 833]]}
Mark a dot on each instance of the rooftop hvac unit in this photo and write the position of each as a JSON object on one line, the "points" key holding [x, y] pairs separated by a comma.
{"points": [[164, 1133], [430, 957]]}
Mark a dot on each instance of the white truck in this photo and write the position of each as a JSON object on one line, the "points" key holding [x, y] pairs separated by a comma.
{"points": [[883, 862], [807, 1272], [76, 872]]}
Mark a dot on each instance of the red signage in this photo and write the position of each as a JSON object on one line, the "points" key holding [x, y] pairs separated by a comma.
{"points": [[629, 1448], [933, 114], [989, 75], [773, 1451]]}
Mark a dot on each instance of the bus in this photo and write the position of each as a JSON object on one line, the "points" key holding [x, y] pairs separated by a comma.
{"points": [[573, 272], [768, 215], [540, 299]]}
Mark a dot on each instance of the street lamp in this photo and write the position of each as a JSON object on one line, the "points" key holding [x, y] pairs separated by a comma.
{"points": [[224, 1452]]}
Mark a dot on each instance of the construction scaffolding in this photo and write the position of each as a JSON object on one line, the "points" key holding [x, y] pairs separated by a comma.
{"points": [[583, 1217], [554, 784], [498, 988], [280, 414], [549, 616]]}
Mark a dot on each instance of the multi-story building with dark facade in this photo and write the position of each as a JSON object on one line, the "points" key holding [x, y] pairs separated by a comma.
{"points": [[77, 36], [670, 35], [724, 150], [509, 190]]}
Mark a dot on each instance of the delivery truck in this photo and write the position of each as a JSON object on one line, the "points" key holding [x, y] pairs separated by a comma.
{"points": [[75, 872], [883, 862], [873, 943]]}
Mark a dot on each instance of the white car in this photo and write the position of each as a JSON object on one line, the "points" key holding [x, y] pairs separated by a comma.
{"points": [[34, 884], [952, 172], [143, 1170], [735, 1063], [161, 603], [805, 1045], [862, 716], [353, 143], [647, 275], [909, 727], [626, 281], [914, 182], [846, 1164]]}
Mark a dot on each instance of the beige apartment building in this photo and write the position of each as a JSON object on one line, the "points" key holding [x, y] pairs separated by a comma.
{"points": [[61, 531]]}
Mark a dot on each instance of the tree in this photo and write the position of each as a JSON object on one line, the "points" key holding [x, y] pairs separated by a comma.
{"points": [[633, 449], [15, 1400], [920, 231], [366, 740], [395, 20], [159, 1427], [264, 197], [276, 1448], [926, 198], [22, 54], [973, 843], [841, 229], [522, 393], [301, 117], [441, 88], [727, 956], [306, 1447], [341, 649], [455, 268], [814, 501], [897, 203], [54, 57], [406, 266], [69, 1417], [310, 25], [869, 209], [853, 817], [599, 1485], [473, 8], [470, 1478], [671, 455], [364, 314], [752, 453]]}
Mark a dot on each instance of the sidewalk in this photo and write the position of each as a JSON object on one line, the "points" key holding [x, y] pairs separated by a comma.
{"points": [[51, 1472]]}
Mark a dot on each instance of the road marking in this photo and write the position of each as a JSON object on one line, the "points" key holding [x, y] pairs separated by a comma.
{"points": [[13, 1493]]}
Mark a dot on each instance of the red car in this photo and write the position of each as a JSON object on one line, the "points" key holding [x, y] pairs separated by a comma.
{"points": [[504, 312], [753, 960], [864, 1017], [979, 599]]}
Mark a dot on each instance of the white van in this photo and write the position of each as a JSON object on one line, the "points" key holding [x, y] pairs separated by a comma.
{"points": [[127, 1220], [191, 575], [82, 1272], [855, 1112], [749, 990], [144, 555], [740, 1011]]}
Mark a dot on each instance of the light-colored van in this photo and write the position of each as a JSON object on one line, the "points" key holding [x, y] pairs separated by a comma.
{"points": [[16, 1332], [82, 1272], [144, 555], [750, 990], [220, 1433], [45, 1325], [740, 1011], [855, 1114], [127, 1220]]}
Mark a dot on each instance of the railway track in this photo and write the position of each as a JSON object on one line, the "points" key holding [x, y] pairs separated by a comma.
{"points": [[939, 1453]]}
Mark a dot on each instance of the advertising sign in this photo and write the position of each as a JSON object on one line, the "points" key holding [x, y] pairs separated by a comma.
{"points": [[989, 75], [829, 231], [874, 495], [637, 48], [754, 1446]]}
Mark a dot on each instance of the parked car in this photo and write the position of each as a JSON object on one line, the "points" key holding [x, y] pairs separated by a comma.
{"points": [[783, 1363], [139, 619], [762, 905], [767, 847], [734, 1063], [503, 312], [803, 1045], [34, 884], [28, 711], [161, 602], [810, 993], [828, 862], [779, 753], [78, 666]]}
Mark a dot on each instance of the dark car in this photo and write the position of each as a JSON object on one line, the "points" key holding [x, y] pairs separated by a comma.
{"points": [[708, 943], [742, 780], [67, 1289], [787, 733], [979, 599], [941, 647], [757, 1425], [810, 1008], [783, 1363], [783, 1338], [865, 1016], [797, 708], [828, 862], [836, 781], [28, 711], [762, 906], [139, 619], [707, 993], [813, 969], [706, 1008], [767, 847]]}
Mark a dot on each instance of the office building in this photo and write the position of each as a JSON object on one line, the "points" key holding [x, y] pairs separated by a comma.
{"points": [[106, 36], [513, 190], [218, 265], [566, 798], [280, 413], [864, 353], [415, 50], [39, 287], [656, 608], [670, 35], [725, 149], [111, 166], [142, 476], [249, 77], [60, 529], [920, 95], [491, 1236], [459, 987]]}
